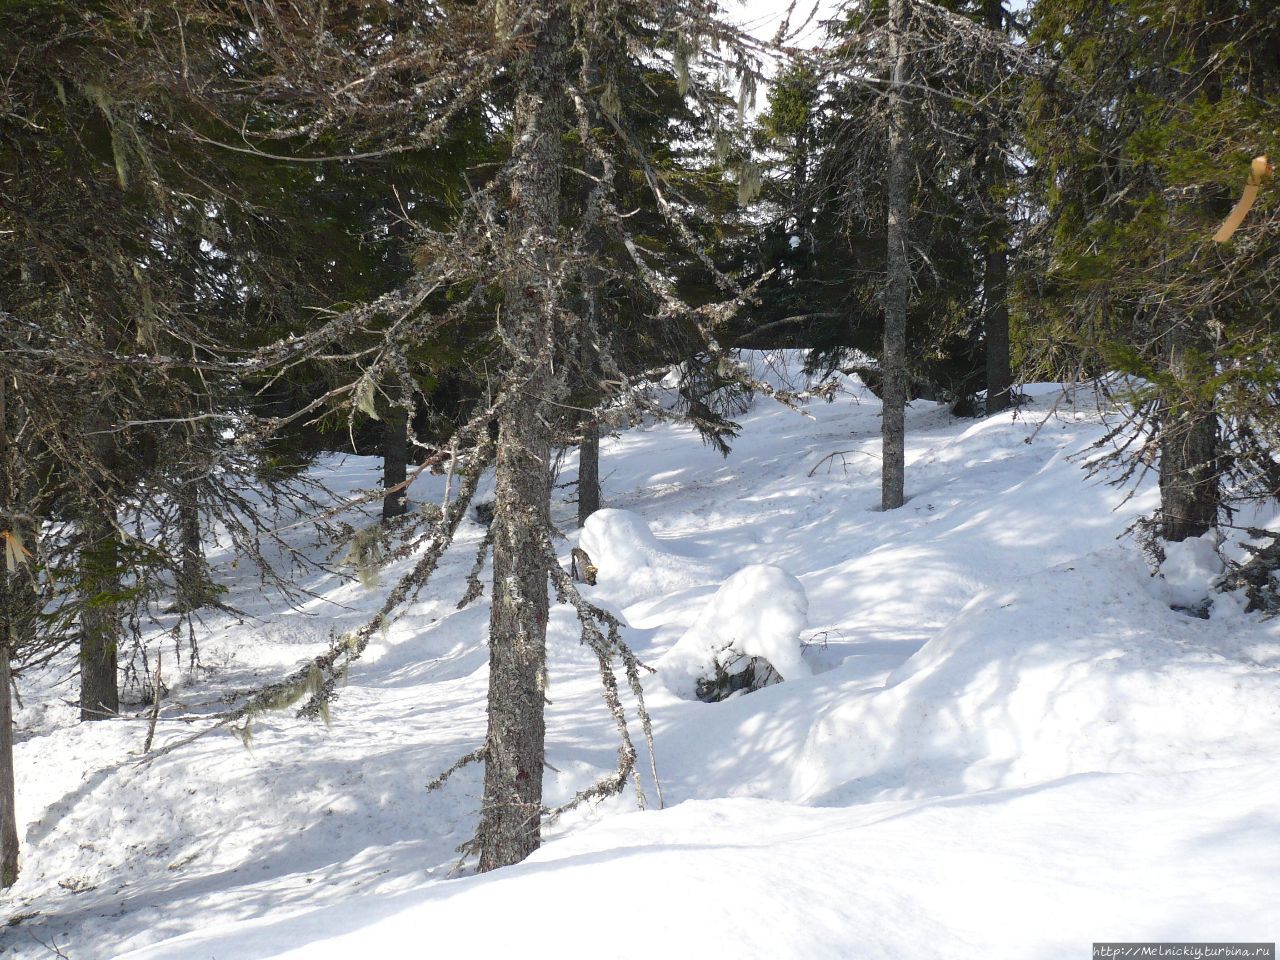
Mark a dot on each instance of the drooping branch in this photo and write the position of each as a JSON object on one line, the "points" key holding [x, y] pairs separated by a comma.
{"points": [[602, 633], [318, 679], [474, 587], [334, 664]]}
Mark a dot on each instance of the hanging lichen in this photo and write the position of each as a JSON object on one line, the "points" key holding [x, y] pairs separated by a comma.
{"points": [[366, 554], [750, 182], [680, 57], [610, 101], [102, 101], [746, 93], [364, 397]]}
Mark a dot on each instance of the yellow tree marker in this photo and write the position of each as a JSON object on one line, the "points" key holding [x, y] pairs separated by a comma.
{"points": [[1258, 171]]}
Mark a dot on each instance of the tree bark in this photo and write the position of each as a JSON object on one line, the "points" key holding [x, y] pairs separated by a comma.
{"points": [[395, 462], [995, 278], [194, 583], [99, 616], [1189, 462], [589, 471], [1189, 473], [591, 333], [19, 609], [8, 796], [511, 815], [893, 360], [8, 643], [995, 283]]}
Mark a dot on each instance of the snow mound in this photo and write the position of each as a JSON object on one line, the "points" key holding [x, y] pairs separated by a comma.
{"points": [[1189, 571], [632, 564], [757, 612], [1081, 668]]}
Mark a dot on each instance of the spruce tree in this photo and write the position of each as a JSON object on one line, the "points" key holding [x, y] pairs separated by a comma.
{"points": [[890, 184], [1144, 139], [516, 250]]}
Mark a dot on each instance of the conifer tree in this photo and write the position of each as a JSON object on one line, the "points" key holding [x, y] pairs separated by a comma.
{"points": [[891, 145], [1145, 138], [383, 79]]}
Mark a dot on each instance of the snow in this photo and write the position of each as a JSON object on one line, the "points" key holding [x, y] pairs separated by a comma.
{"points": [[1005, 875], [632, 563], [1027, 685], [758, 612], [1007, 742], [1188, 569]]}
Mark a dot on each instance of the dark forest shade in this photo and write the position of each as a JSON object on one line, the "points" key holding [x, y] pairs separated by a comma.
{"points": [[395, 463], [589, 471]]}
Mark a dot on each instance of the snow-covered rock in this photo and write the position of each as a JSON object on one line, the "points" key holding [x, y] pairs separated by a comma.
{"points": [[620, 542], [758, 612], [631, 563]]}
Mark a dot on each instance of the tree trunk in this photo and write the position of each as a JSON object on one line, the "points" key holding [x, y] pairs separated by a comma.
{"points": [[194, 582], [12, 625], [395, 462], [893, 360], [589, 471], [99, 616], [511, 815], [1189, 474], [995, 284], [1190, 483], [19, 609], [591, 334], [8, 796], [995, 277]]}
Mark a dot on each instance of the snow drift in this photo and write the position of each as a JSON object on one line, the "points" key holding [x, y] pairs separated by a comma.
{"points": [[1083, 668]]}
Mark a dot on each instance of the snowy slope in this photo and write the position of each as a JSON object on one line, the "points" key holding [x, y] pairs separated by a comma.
{"points": [[1009, 745]]}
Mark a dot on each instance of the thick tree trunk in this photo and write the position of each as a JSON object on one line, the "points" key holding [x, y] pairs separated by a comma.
{"points": [[8, 796], [395, 462], [99, 616], [1189, 467], [511, 815], [995, 283], [512, 809], [589, 471], [893, 361], [194, 583]]}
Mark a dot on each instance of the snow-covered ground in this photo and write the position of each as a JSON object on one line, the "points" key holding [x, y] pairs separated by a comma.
{"points": [[1000, 739]]}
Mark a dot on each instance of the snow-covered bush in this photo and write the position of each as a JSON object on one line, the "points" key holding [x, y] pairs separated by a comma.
{"points": [[756, 615]]}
